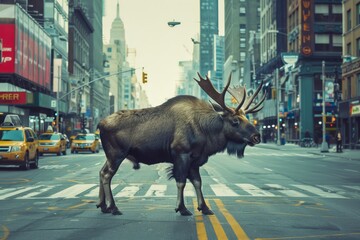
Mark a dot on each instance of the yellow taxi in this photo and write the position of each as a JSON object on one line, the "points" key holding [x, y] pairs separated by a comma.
{"points": [[52, 142], [85, 142], [18, 144]]}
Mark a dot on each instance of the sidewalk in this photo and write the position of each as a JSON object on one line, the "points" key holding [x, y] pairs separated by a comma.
{"points": [[351, 154]]}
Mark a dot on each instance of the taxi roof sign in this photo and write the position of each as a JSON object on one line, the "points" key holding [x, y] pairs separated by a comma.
{"points": [[12, 120]]}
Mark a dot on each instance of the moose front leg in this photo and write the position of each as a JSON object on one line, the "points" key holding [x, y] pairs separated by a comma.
{"points": [[195, 178], [105, 193], [102, 200]]}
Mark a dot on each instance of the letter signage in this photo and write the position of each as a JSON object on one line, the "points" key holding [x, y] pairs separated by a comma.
{"points": [[307, 24], [12, 98]]}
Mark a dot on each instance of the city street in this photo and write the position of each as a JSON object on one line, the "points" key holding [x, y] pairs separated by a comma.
{"points": [[274, 192]]}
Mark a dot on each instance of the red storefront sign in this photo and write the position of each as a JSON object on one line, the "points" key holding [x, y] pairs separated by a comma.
{"points": [[307, 24], [26, 48], [7, 36], [12, 98]]}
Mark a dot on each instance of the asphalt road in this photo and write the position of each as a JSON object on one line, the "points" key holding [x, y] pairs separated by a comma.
{"points": [[268, 194]]}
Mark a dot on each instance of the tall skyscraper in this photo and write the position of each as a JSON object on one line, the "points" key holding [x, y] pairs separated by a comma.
{"points": [[209, 26], [242, 18]]}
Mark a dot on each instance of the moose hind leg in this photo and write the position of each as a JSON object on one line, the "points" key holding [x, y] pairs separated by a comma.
{"points": [[180, 205], [195, 178], [180, 171]]}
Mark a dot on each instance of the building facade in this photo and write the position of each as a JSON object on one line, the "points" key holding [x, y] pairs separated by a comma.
{"points": [[314, 37], [349, 105], [80, 30], [209, 26], [241, 17], [39, 67]]}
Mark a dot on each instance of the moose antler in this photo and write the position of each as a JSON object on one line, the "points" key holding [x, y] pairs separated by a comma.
{"points": [[210, 90], [239, 93], [245, 101]]}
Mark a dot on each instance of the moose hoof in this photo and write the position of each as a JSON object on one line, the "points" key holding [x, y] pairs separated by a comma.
{"points": [[113, 211], [183, 211], [206, 211], [102, 206]]}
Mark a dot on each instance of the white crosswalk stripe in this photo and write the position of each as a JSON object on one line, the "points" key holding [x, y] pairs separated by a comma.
{"points": [[253, 190], [43, 191], [281, 154]]}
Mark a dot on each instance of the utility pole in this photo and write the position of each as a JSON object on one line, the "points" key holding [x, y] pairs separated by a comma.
{"points": [[277, 106], [324, 145], [57, 99]]}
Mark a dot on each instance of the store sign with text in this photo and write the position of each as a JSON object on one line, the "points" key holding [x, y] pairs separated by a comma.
{"points": [[13, 98], [307, 25]]}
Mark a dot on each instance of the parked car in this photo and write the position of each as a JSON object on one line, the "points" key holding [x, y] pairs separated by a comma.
{"points": [[18, 144], [52, 142], [85, 142]]}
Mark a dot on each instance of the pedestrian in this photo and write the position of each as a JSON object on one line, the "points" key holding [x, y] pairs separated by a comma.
{"points": [[338, 142]]}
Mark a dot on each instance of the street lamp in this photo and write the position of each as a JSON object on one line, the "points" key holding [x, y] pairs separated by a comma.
{"points": [[277, 105], [57, 98], [324, 145]]}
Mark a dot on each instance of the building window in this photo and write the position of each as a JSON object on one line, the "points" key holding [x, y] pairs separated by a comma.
{"points": [[322, 42], [242, 42], [242, 11], [358, 47], [337, 9], [348, 19], [242, 28], [242, 56], [348, 48], [322, 9], [337, 42]]}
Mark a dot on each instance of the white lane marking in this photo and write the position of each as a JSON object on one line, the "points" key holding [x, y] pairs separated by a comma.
{"points": [[17, 191], [222, 190], [318, 191], [128, 191], [73, 191], [350, 170], [285, 191], [38, 192], [49, 167], [254, 191], [268, 169], [156, 190]]}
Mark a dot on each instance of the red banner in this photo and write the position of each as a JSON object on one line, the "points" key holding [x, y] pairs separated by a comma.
{"points": [[12, 98], [7, 35]]}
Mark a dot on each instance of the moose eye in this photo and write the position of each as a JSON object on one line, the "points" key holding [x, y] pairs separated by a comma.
{"points": [[235, 123]]}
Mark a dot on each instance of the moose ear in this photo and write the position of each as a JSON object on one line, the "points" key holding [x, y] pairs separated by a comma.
{"points": [[217, 108]]}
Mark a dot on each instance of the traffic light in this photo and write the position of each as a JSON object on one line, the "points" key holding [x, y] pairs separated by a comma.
{"points": [[333, 118], [144, 77]]}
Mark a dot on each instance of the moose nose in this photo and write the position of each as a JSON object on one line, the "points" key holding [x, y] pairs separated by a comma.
{"points": [[255, 138]]}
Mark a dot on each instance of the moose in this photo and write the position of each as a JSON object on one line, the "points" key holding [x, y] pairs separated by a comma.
{"points": [[183, 131]]}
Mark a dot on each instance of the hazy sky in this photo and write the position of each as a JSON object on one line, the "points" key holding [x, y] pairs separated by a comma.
{"points": [[159, 47]]}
